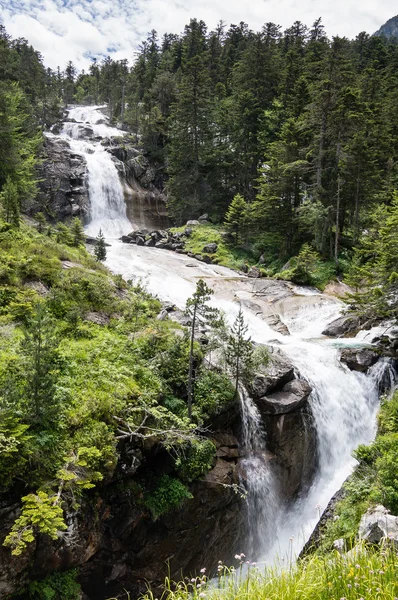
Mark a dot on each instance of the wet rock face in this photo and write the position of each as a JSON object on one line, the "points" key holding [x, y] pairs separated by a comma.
{"points": [[345, 325], [292, 397], [292, 439], [277, 373], [63, 191], [282, 399], [359, 359]]}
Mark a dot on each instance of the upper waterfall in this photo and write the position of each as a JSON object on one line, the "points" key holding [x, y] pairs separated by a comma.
{"points": [[84, 130]]}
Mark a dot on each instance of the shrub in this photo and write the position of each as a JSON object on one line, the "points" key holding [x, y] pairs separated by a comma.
{"points": [[195, 459], [168, 495]]}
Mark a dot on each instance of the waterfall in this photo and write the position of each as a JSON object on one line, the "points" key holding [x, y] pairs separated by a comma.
{"points": [[107, 205], [344, 403], [263, 504]]}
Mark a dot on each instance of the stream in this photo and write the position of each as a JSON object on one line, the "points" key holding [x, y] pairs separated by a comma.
{"points": [[344, 403]]}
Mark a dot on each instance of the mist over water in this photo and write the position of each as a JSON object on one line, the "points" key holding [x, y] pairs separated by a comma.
{"points": [[344, 403]]}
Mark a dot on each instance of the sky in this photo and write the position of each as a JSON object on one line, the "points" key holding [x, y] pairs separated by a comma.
{"points": [[78, 30]]}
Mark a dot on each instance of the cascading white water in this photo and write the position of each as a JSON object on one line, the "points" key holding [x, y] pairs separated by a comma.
{"points": [[107, 205], [262, 497], [344, 403]]}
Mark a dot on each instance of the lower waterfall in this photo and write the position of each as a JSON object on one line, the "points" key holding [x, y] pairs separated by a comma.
{"points": [[344, 403]]}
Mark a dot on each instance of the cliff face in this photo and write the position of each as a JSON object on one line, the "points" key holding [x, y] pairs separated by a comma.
{"points": [[389, 29], [63, 184], [117, 546]]}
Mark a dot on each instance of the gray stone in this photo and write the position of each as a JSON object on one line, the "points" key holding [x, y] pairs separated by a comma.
{"points": [[343, 326], [359, 359], [140, 241], [100, 318], [126, 239], [210, 248], [277, 373], [163, 315], [377, 524], [254, 272], [192, 223], [339, 545], [293, 396], [188, 231]]}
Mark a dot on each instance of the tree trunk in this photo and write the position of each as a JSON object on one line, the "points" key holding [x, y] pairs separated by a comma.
{"points": [[338, 201], [190, 373]]}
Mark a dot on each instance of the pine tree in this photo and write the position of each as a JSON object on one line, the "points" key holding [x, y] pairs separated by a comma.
{"points": [[77, 232], [198, 311], [236, 217], [100, 247], [239, 350], [41, 222], [39, 347], [10, 202]]}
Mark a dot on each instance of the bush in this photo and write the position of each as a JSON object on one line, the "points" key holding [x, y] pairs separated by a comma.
{"points": [[168, 495], [195, 459], [57, 586]]}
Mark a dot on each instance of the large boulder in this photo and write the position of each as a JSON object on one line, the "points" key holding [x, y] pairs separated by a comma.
{"points": [[359, 359], [377, 524], [210, 248], [254, 272], [342, 326], [292, 397], [273, 376]]}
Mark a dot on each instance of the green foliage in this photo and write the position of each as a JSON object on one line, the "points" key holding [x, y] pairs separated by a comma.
{"points": [[100, 248], [227, 254], [236, 218], [213, 392], [239, 351], [374, 481], [10, 202], [369, 573], [195, 459], [308, 269], [168, 495], [40, 514], [77, 232], [57, 586], [198, 311], [375, 265], [14, 448]]}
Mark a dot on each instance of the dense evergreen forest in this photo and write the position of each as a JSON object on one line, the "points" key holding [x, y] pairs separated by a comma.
{"points": [[289, 137]]}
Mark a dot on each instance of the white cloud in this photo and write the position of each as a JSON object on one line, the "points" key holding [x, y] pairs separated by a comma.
{"points": [[65, 30]]}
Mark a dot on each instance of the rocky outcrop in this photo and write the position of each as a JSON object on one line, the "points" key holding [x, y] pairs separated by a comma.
{"points": [[377, 524], [359, 359], [117, 546], [273, 377], [62, 182], [389, 29], [292, 397], [343, 326], [282, 399]]}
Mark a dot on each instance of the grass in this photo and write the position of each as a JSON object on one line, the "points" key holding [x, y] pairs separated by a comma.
{"points": [[367, 574], [226, 255]]}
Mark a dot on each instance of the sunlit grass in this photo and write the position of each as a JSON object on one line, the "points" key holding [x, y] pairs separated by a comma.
{"points": [[364, 574]]}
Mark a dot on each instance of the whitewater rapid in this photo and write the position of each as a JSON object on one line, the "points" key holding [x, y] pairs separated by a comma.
{"points": [[344, 403]]}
